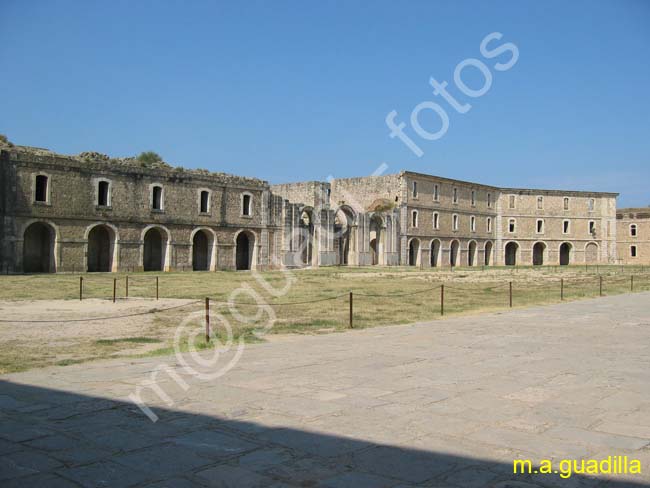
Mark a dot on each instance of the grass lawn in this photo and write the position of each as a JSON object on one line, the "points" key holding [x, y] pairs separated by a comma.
{"points": [[315, 301]]}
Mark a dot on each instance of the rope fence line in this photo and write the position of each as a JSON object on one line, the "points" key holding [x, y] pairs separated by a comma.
{"points": [[92, 319], [509, 291]]}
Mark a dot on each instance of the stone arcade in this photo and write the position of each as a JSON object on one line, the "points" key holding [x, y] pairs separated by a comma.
{"points": [[92, 213]]}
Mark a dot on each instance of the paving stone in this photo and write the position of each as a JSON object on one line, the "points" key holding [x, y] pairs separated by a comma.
{"points": [[162, 461], [225, 476], [105, 474], [39, 481], [25, 462], [357, 480], [213, 444]]}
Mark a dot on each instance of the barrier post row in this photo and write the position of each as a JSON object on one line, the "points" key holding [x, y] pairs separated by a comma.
{"points": [[511, 294], [156, 288], [351, 323], [114, 288], [442, 299], [207, 319], [81, 287], [561, 289], [631, 282], [127, 286]]}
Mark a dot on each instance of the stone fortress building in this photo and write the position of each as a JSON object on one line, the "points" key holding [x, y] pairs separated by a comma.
{"points": [[92, 213]]}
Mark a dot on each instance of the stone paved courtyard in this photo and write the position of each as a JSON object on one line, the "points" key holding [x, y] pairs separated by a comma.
{"points": [[449, 403]]}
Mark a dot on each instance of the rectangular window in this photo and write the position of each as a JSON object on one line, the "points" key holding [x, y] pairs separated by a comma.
{"points": [[633, 251], [205, 202], [540, 203], [511, 202], [455, 222], [592, 227], [246, 205], [436, 192], [488, 224], [566, 203], [489, 199], [436, 220], [40, 193], [414, 218], [455, 195], [633, 230], [472, 223], [156, 198], [473, 198], [566, 227], [512, 225], [540, 226], [103, 194], [591, 205], [415, 189]]}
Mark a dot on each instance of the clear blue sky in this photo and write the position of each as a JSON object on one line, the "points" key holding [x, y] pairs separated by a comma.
{"points": [[290, 91]]}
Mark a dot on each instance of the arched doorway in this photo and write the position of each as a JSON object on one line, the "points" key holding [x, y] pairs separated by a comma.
{"points": [[471, 254], [435, 253], [591, 253], [245, 244], [538, 253], [201, 251], [101, 244], [565, 254], [306, 238], [512, 248], [488, 253], [376, 240], [155, 250], [343, 234], [38, 249], [414, 252], [454, 253]]}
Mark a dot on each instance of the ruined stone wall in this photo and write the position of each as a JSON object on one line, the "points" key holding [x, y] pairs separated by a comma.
{"points": [[314, 194], [626, 218], [361, 193]]}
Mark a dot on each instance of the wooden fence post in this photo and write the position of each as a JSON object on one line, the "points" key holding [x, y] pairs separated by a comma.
{"points": [[631, 282], [114, 288], [511, 294], [127, 286], [351, 323], [601, 284], [561, 289], [442, 299], [157, 288], [207, 319], [81, 287]]}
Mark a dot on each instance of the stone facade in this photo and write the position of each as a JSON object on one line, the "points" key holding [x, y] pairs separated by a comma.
{"points": [[93, 213], [633, 231]]}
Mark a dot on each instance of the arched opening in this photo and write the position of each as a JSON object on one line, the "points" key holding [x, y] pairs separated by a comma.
{"points": [[306, 238], [488, 254], [245, 244], [471, 254], [454, 253], [201, 251], [512, 248], [38, 249], [101, 244], [414, 252], [435, 253], [376, 240], [538, 253], [343, 234], [565, 254], [155, 249], [591, 253]]}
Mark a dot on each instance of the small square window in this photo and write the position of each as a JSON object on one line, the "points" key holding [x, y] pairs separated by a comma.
{"points": [[103, 194], [566, 203], [455, 195], [540, 226], [540, 203], [633, 251], [592, 227], [455, 222], [512, 201], [246, 205], [488, 224], [473, 198], [633, 230], [415, 189], [414, 218], [436, 192], [436, 220], [489, 199], [40, 192], [204, 203], [157, 198], [512, 225], [566, 227]]}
